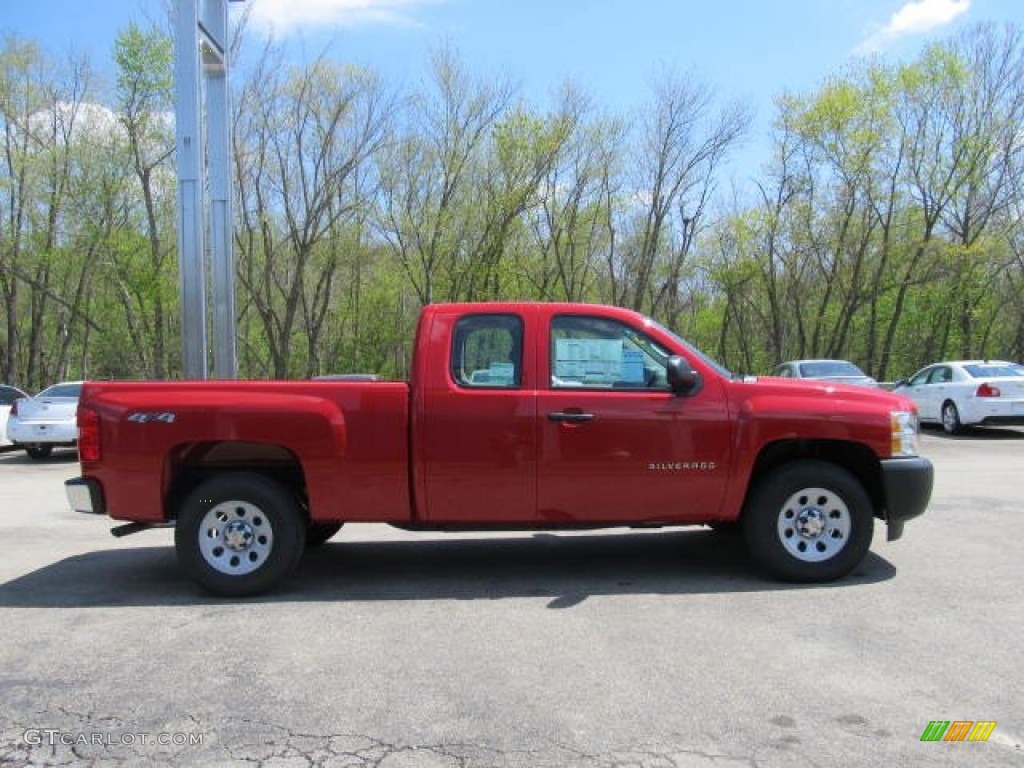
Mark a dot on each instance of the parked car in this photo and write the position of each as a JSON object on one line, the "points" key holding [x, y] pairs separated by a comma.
{"points": [[967, 392], [40, 423], [8, 395], [839, 371]]}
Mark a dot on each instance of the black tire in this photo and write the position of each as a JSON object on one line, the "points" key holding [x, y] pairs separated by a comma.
{"points": [[319, 533], [38, 451], [808, 521], [239, 534], [951, 418]]}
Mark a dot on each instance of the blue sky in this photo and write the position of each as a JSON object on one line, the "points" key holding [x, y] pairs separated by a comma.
{"points": [[749, 50]]}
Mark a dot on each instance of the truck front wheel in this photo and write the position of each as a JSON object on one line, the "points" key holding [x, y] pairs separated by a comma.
{"points": [[809, 521], [239, 534]]}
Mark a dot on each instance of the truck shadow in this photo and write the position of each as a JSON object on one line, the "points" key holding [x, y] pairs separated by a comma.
{"points": [[566, 570]]}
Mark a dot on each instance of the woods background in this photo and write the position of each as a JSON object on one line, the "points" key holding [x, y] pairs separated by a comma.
{"points": [[885, 227]]}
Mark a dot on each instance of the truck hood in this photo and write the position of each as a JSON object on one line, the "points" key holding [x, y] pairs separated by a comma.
{"points": [[833, 392]]}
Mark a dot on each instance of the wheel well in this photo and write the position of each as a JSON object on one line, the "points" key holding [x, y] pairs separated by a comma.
{"points": [[191, 464], [856, 458]]}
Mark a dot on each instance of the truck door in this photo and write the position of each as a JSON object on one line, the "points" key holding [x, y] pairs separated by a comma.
{"points": [[474, 431], [616, 446]]}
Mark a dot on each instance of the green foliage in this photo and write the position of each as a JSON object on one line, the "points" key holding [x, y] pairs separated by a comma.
{"points": [[145, 70], [887, 229]]}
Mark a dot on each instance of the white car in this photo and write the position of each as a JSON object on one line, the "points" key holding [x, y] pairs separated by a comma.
{"points": [[39, 423], [967, 392], [8, 395]]}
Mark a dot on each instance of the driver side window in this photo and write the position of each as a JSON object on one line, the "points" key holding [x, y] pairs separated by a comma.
{"points": [[596, 353], [921, 377]]}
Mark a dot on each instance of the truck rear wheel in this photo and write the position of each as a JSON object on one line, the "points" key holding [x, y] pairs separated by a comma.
{"points": [[809, 521], [239, 534]]}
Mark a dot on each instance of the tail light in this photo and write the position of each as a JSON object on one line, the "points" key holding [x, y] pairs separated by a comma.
{"points": [[14, 409], [987, 390], [88, 435]]}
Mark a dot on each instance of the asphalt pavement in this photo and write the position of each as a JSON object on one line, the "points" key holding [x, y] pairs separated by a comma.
{"points": [[617, 649]]}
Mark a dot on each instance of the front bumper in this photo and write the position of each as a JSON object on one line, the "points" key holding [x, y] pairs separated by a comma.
{"points": [[85, 495], [907, 484]]}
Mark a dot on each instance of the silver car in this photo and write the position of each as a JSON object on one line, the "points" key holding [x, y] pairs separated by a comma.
{"points": [[839, 371]]}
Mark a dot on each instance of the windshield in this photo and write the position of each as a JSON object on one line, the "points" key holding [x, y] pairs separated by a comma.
{"points": [[690, 349], [821, 368]]}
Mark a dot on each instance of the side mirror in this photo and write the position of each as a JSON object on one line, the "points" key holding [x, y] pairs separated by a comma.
{"points": [[682, 379]]}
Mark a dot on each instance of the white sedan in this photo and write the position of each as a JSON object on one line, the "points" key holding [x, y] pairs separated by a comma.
{"points": [[39, 423], [8, 395], [967, 392]]}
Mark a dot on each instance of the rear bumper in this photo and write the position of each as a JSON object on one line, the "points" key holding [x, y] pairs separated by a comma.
{"points": [[30, 432], [85, 495], [908, 488], [992, 410]]}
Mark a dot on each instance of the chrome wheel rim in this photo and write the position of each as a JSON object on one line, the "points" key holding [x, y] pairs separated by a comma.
{"points": [[949, 418], [235, 538], [814, 525]]}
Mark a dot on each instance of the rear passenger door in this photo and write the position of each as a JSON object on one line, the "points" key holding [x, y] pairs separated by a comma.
{"points": [[474, 431]]}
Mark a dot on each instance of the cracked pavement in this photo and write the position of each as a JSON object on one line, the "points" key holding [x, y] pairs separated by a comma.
{"points": [[654, 649]]}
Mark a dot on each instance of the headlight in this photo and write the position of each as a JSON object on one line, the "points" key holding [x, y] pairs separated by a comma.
{"points": [[904, 432]]}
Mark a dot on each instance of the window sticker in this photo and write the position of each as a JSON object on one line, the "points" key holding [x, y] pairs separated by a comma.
{"points": [[590, 361]]}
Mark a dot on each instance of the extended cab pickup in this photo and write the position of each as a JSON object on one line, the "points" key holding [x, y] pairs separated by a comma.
{"points": [[516, 416]]}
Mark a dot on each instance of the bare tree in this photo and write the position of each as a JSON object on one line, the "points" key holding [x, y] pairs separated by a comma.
{"points": [[429, 171], [683, 142], [301, 138]]}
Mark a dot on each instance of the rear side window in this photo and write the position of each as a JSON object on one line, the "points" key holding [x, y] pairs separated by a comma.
{"points": [[487, 352]]}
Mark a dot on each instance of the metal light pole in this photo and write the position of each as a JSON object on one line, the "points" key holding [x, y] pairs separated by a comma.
{"points": [[201, 57]]}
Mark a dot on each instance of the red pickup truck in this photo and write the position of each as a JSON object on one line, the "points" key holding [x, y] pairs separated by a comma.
{"points": [[516, 416]]}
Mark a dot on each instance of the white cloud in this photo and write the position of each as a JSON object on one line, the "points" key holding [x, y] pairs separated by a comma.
{"points": [[915, 18], [284, 16], [86, 121]]}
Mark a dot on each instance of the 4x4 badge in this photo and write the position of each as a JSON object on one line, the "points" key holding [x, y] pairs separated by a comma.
{"points": [[144, 417]]}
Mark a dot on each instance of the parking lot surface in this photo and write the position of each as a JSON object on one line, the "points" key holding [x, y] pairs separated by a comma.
{"points": [[619, 649]]}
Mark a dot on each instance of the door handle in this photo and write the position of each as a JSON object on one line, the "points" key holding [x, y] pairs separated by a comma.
{"points": [[569, 417]]}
